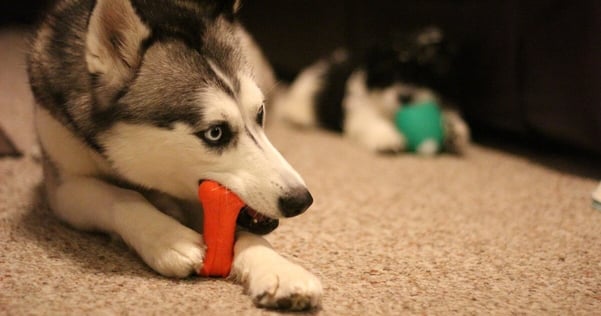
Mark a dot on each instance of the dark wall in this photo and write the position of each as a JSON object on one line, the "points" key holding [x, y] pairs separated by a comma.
{"points": [[560, 63], [296, 33], [21, 12]]}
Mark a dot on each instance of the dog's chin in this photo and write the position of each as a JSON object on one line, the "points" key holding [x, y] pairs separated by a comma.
{"points": [[255, 222]]}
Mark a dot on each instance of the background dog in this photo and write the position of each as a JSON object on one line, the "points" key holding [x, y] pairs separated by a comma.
{"points": [[358, 94], [138, 101]]}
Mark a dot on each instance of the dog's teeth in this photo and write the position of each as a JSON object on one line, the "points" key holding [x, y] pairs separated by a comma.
{"points": [[256, 216]]}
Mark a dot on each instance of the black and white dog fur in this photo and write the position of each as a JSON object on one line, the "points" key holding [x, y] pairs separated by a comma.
{"points": [[359, 94], [137, 102]]}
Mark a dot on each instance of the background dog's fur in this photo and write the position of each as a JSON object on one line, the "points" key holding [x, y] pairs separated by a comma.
{"points": [[357, 93]]}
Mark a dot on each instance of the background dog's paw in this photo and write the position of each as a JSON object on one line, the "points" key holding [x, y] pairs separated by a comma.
{"points": [[382, 138], [287, 286], [457, 133], [176, 253]]}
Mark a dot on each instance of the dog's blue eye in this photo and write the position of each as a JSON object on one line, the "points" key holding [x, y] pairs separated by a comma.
{"points": [[260, 115], [216, 135]]}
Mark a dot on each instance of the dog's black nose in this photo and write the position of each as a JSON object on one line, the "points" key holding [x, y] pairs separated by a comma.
{"points": [[295, 202]]}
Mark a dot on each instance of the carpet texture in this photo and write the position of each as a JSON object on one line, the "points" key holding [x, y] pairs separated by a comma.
{"points": [[489, 233]]}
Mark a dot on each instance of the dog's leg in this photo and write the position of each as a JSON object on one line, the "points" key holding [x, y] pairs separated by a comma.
{"points": [[271, 280], [364, 121], [163, 243], [369, 128], [457, 132]]}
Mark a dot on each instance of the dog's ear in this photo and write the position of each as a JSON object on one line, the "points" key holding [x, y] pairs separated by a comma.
{"points": [[227, 8], [237, 5], [233, 5], [113, 47]]}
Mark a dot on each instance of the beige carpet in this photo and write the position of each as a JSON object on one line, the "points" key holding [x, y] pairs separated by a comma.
{"points": [[490, 233]]}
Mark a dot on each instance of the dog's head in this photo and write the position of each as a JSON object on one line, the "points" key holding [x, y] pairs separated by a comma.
{"points": [[412, 67], [179, 104]]}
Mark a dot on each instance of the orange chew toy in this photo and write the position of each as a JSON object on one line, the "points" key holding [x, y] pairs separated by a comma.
{"points": [[221, 208]]}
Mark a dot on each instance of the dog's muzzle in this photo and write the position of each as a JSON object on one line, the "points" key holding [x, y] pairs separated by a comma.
{"points": [[295, 202]]}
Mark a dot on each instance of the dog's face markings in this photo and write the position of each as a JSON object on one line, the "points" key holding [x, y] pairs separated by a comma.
{"points": [[229, 112], [261, 115], [223, 141], [230, 83], [232, 87], [249, 165], [217, 136], [252, 137], [193, 114], [243, 115]]}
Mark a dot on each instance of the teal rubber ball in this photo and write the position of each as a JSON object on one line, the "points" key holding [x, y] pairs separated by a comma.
{"points": [[422, 125]]}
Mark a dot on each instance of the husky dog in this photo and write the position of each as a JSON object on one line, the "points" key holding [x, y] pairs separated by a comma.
{"points": [[358, 96], [137, 102]]}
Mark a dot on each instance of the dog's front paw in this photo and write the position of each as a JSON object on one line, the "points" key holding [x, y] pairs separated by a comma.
{"points": [[285, 286], [382, 138], [175, 253]]}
